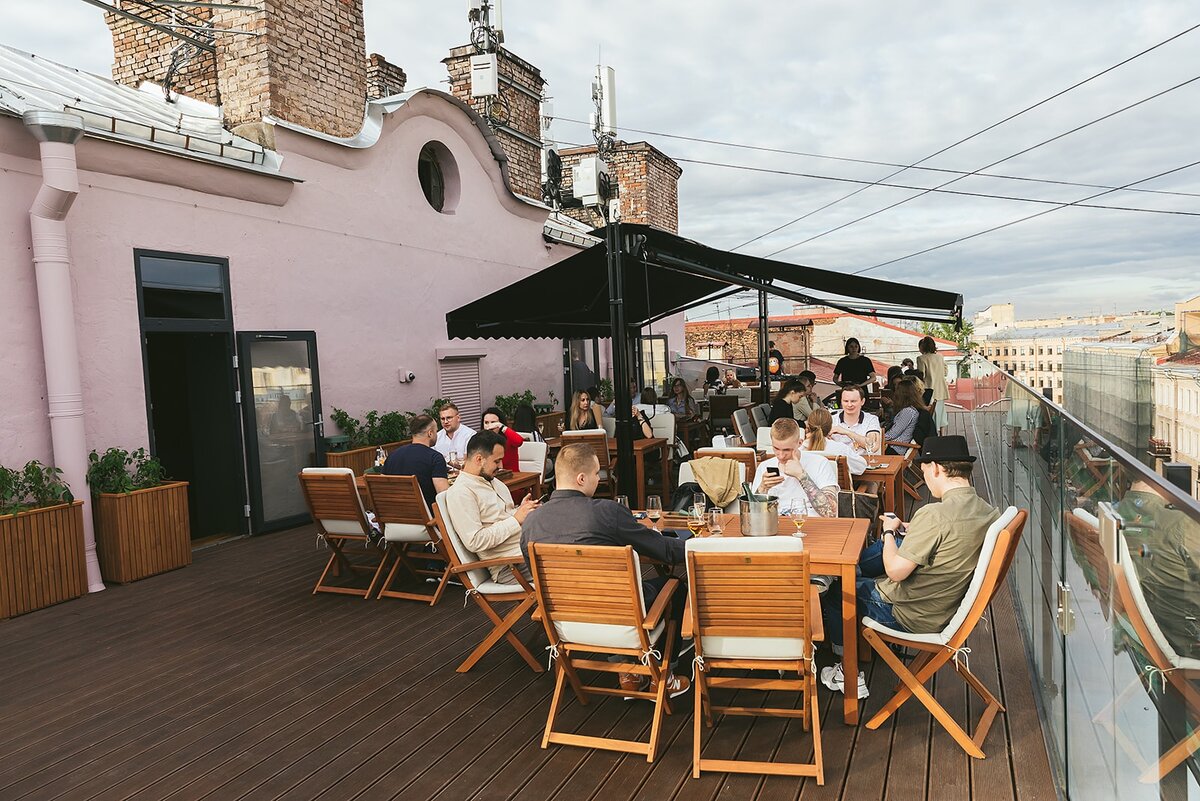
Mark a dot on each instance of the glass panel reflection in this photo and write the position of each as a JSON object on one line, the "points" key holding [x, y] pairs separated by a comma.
{"points": [[284, 413]]}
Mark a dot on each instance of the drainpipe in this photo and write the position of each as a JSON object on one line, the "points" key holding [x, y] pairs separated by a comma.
{"points": [[57, 133]]}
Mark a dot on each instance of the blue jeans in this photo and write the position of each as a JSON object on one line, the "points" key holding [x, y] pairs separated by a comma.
{"points": [[870, 603]]}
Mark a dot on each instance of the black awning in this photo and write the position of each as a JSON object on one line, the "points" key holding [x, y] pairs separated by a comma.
{"points": [[666, 274]]}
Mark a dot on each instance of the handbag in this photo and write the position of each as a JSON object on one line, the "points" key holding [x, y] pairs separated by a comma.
{"points": [[862, 506]]}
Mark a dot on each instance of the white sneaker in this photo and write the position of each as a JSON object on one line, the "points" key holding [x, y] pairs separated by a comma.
{"points": [[833, 678]]}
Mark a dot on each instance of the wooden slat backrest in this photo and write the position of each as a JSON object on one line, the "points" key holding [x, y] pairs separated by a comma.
{"points": [[586, 583], [598, 440], [333, 496], [845, 480], [746, 457], [743, 594], [397, 499], [465, 577]]}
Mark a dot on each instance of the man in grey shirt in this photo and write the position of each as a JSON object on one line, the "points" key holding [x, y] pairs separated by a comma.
{"points": [[573, 516]]}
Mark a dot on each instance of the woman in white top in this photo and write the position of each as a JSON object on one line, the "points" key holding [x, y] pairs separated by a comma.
{"points": [[855, 427], [933, 368], [816, 439]]}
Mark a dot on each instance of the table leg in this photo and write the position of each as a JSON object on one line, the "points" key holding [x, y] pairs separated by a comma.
{"points": [[850, 645], [897, 492], [639, 458], [665, 464]]}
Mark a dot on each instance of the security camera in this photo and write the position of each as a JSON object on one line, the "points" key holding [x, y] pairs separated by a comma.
{"points": [[406, 376]]}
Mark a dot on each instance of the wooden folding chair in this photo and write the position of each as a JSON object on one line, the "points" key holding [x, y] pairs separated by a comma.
{"points": [[338, 513], [590, 601], [752, 608], [949, 644], [845, 480], [409, 532], [478, 584], [1166, 666], [911, 449], [744, 427], [598, 441]]}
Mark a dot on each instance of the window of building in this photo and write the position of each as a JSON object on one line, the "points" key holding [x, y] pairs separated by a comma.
{"points": [[1041, 350], [182, 287], [438, 174]]}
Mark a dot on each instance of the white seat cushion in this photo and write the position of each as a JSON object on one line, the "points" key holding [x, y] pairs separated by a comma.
{"points": [[478, 576], [603, 635], [490, 587], [405, 532], [763, 439], [1143, 609], [346, 527], [755, 647]]}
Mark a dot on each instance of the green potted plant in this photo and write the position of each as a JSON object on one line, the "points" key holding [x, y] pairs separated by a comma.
{"points": [[365, 437], [141, 516], [508, 404], [41, 540]]}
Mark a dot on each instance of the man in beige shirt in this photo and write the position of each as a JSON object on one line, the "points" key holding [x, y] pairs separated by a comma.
{"points": [[481, 507]]}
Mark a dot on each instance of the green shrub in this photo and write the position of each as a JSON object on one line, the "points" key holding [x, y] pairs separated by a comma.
{"points": [[375, 429], [32, 487], [119, 471], [508, 403]]}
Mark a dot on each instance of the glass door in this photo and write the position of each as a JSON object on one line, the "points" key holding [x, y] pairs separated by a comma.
{"points": [[281, 408]]}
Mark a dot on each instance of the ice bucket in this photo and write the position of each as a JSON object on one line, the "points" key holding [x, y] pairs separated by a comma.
{"points": [[759, 518]]}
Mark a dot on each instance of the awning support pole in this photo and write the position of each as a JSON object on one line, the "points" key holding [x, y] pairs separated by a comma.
{"points": [[764, 376], [619, 335]]}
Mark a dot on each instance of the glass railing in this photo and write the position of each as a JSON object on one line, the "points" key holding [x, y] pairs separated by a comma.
{"points": [[1107, 589]]}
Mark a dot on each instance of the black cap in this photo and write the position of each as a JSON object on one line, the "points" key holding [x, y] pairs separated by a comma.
{"points": [[944, 449]]}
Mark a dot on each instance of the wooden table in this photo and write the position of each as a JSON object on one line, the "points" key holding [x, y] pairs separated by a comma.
{"points": [[640, 448], [833, 545], [891, 474]]}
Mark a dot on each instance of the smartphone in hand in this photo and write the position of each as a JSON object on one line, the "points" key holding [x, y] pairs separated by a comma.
{"points": [[772, 471]]}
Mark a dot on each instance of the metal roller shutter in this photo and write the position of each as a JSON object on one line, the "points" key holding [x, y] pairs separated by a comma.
{"points": [[458, 380]]}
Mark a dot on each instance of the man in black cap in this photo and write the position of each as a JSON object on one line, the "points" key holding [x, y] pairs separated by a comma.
{"points": [[915, 577]]}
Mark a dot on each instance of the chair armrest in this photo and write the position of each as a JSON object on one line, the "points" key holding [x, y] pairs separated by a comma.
{"points": [[502, 561], [868, 487], [655, 612], [816, 623]]}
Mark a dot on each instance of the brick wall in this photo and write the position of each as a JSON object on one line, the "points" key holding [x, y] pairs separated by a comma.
{"points": [[141, 53], [741, 342], [384, 78], [307, 65], [518, 78], [647, 180]]}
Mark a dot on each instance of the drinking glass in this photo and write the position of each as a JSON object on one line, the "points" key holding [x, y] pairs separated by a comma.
{"points": [[798, 520], [698, 511], [623, 500], [453, 460], [714, 521], [695, 523], [699, 499], [654, 507], [561, 426]]}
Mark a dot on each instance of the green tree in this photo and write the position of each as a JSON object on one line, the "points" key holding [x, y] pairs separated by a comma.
{"points": [[963, 337]]}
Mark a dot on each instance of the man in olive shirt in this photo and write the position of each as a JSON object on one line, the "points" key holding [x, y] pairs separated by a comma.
{"points": [[915, 577]]}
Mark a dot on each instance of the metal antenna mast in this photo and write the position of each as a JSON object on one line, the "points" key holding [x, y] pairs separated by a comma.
{"points": [[487, 34]]}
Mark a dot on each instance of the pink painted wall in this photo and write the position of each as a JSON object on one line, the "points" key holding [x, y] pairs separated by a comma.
{"points": [[354, 253]]}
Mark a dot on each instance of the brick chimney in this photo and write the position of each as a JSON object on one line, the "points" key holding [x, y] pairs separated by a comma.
{"points": [[384, 78], [647, 181], [521, 89], [307, 63]]}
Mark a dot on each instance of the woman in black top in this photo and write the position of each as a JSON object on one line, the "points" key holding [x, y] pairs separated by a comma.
{"points": [[853, 368], [782, 407]]}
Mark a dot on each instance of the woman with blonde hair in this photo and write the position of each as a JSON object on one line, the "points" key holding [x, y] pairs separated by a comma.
{"points": [[583, 414], [933, 371], [817, 426]]}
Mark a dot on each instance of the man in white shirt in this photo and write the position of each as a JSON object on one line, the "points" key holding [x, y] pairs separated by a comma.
{"points": [[454, 436], [805, 483], [855, 427]]}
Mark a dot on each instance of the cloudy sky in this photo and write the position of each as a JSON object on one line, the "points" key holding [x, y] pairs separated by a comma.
{"points": [[881, 81]]}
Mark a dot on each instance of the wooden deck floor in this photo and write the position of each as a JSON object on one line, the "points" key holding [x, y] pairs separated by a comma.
{"points": [[229, 680]]}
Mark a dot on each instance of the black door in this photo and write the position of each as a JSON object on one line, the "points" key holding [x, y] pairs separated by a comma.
{"points": [[281, 414]]}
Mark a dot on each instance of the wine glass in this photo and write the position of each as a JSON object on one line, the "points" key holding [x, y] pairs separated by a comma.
{"points": [[700, 499], [654, 508], [714, 522], [561, 425], [695, 523], [623, 500], [698, 511]]}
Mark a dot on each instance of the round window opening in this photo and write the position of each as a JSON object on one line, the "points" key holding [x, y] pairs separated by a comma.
{"points": [[438, 174]]}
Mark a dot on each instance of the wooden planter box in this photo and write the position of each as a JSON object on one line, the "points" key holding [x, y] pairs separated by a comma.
{"points": [[144, 532], [360, 459], [41, 558]]}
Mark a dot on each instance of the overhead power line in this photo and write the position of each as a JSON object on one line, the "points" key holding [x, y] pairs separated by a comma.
{"points": [[873, 162], [1019, 220], [991, 127], [926, 190]]}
